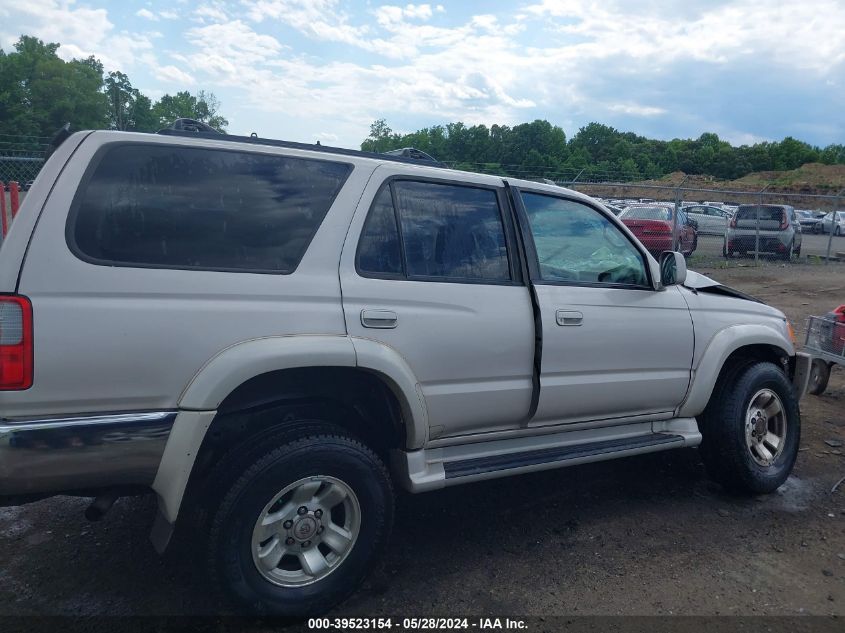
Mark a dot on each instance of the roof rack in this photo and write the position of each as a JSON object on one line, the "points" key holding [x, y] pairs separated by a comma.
{"points": [[191, 125], [407, 155], [415, 154]]}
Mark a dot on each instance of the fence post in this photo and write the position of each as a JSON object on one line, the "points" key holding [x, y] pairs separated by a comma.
{"points": [[832, 224], [14, 196], [676, 237], [757, 227], [3, 207]]}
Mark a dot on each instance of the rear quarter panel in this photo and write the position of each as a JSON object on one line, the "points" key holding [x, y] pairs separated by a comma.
{"points": [[113, 338]]}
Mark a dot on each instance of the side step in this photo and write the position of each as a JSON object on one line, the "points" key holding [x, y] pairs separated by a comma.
{"points": [[551, 456], [466, 461]]}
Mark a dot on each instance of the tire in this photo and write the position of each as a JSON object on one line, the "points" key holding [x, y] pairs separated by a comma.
{"points": [[837, 232], [315, 460], [790, 253], [726, 435], [819, 376], [726, 253]]}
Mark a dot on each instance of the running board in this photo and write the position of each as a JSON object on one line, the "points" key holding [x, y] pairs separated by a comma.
{"points": [[433, 468], [551, 456]]}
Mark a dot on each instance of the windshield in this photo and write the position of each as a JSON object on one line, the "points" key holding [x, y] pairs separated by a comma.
{"points": [[647, 213]]}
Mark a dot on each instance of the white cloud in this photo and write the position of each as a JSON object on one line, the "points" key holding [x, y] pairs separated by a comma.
{"points": [[173, 75], [210, 13], [146, 14], [53, 21], [636, 109], [804, 34], [640, 61]]}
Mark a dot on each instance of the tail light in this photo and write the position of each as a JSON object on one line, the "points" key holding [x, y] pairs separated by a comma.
{"points": [[784, 222], [733, 221], [16, 357]]}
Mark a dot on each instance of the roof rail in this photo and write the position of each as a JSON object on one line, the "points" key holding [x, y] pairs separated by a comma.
{"points": [[214, 135], [191, 125], [415, 154]]}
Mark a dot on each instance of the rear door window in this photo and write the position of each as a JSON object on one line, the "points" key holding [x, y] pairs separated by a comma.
{"points": [[164, 206], [445, 232]]}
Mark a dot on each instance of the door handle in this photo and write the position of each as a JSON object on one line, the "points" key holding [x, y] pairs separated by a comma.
{"points": [[382, 319], [569, 317]]}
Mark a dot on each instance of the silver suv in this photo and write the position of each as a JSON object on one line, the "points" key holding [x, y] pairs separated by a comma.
{"points": [[768, 229], [270, 336]]}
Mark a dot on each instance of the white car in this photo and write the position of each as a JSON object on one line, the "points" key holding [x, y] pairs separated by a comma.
{"points": [[711, 220], [824, 224]]}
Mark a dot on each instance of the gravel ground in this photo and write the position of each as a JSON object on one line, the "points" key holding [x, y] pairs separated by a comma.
{"points": [[647, 535]]}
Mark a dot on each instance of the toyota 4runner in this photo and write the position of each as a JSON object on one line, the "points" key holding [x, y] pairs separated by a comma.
{"points": [[270, 336]]}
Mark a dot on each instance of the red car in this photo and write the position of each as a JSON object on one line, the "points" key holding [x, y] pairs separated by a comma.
{"points": [[653, 227]]}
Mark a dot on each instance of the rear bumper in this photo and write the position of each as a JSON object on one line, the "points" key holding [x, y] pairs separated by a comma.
{"points": [[55, 455], [768, 243]]}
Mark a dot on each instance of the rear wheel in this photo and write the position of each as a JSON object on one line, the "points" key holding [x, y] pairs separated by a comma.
{"points": [[301, 522], [819, 376], [789, 254], [837, 231], [751, 429]]}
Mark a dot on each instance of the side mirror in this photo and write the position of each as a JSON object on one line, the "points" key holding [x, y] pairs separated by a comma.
{"points": [[673, 268]]}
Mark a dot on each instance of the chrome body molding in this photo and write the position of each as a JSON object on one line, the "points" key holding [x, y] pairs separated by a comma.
{"points": [[63, 454]]}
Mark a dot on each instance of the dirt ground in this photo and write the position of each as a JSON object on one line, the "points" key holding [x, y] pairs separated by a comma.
{"points": [[647, 535]]}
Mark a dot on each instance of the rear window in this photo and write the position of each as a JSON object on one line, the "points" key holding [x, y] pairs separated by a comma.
{"points": [[647, 213], [190, 208], [749, 212]]}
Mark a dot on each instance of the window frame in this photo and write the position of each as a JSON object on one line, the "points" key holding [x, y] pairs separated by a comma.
{"points": [[533, 260], [102, 152], [505, 217]]}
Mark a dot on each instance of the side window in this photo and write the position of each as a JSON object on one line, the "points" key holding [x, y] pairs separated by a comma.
{"points": [[378, 249], [577, 244], [452, 231], [448, 232], [190, 208]]}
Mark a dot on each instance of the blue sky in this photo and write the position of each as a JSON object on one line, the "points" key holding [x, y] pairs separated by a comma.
{"points": [[309, 70]]}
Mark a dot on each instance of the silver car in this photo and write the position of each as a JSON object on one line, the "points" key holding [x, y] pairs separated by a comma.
{"points": [[824, 224], [770, 229]]}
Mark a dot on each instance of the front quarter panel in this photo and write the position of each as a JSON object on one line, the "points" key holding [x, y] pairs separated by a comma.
{"points": [[722, 326]]}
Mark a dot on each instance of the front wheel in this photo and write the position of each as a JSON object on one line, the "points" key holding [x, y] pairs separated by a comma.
{"points": [[751, 429], [300, 524], [838, 231]]}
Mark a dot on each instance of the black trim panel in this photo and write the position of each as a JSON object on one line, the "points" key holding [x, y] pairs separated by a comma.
{"points": [[509, 461]]}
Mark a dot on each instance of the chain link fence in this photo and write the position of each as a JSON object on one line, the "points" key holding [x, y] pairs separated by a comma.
{"points": [[713, 227], [21, 158], [723, 228]]}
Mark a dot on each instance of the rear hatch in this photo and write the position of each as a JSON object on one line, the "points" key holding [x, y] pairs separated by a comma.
{"points": [[770, 218]]}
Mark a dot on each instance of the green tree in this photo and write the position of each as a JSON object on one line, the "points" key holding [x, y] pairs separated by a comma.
{"points": [[204, 107], [128, 108], [40, 92]]}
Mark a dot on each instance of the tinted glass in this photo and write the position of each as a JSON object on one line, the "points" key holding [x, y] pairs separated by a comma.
{"points": [[378, 249], [772, 213], [177, 207], [647, 213], [578, 244], [451, 231]]}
